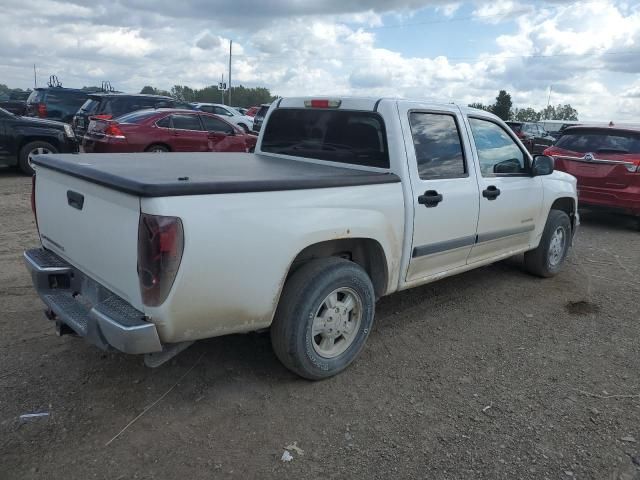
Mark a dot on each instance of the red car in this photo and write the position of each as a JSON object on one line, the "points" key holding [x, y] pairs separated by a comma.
{"points": [[251, 112], [165, 130], [606, 162]]}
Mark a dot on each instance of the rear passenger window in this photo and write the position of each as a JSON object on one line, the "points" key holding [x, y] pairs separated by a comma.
{"points": [[498, 154], [164, 122], [437, 144], [186, 122], [344, 136]]}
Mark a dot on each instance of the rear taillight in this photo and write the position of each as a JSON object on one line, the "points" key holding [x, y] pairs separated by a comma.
{"points": [[113, 130], [103, 116], [42, 110], [160, 246], [33, 199]]}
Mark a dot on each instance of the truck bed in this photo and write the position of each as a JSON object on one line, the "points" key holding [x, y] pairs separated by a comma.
{"points": [[188, 173]]}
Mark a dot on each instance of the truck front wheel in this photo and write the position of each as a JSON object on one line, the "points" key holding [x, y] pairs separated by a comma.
{"points": [[324, 317], [547, 259]]}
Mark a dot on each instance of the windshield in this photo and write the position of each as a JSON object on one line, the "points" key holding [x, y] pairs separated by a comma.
{"points": [[332, 135], [90, 106], [137, 117], [585, 141]]}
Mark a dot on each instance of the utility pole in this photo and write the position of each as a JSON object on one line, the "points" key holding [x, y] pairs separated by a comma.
{"points": [[548, 102], [35, 77], [230, 54]]}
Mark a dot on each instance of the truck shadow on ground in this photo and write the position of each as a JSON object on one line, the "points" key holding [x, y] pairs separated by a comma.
{"points": [[603, 219]]}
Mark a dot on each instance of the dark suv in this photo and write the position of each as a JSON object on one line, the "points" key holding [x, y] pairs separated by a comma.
{"points": [[112, 105], [259, 116], [55, 103], [533, 136], [22, 137]]}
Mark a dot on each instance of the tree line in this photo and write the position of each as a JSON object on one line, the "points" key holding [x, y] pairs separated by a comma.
{"points": [[241, 96], [503, 108]]}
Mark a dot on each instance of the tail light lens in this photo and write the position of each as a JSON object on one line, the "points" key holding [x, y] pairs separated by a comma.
{"points": [[160, 246], [33, 200], [104, 116], [113, 130], [42, 110]]}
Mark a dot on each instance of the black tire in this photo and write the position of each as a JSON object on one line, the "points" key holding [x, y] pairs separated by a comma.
{"points": [[302, 298], [156, 148], [27, 150], [541, 261]]}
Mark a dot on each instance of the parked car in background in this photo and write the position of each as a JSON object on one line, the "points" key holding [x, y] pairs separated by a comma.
{"points": [[229, 113], [532, 135], [112, 105], [166, 130], [56, 103], [251, 111], [556, 127], [259, 116], [21, 138], [606, 162], [242, 110], [19, 107]]}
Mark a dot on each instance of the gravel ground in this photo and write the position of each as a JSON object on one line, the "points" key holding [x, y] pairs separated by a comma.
{"points": [[491, 374]]}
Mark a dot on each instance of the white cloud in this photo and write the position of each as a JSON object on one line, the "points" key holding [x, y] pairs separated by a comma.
{"points": [[587, 51]]}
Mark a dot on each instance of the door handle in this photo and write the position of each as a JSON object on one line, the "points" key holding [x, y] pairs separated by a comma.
{"points": [[430, 199], [491, 192], [75, 199]]}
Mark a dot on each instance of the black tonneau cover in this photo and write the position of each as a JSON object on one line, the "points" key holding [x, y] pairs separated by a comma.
{"points": [[173, 174]]}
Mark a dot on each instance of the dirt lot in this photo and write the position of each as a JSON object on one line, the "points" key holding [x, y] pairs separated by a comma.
{"points": [[491, 374]]}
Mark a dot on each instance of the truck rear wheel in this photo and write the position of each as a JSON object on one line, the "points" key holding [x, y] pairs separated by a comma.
{"points": [[547, 259], [324, 317]]}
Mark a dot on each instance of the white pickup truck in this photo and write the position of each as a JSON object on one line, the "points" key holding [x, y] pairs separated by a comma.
{"points": [[344, 201]]}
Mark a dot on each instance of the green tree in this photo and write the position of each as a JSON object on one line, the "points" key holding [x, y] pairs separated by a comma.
{"points": [[526, 115], [148, 90], [502, 107], [480, 106], [566, 112]]}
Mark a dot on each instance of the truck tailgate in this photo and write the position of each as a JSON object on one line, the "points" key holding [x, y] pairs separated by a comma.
{"points": [[92, 227]]}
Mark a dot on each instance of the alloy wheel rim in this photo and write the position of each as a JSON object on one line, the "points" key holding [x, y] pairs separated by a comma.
{"points": [[556, 246], [36, 151], [336, 323]]}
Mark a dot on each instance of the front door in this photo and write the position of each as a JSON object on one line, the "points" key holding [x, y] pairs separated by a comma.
{"points": [[188, 134], [445, 190], [510, 198]]}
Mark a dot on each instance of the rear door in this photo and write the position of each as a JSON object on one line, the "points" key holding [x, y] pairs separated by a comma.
{"points": [[6, 141], [188, 133], [445, 189], [510, 198], [92, 227]]}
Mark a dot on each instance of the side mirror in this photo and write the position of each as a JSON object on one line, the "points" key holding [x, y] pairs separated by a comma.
{"points": [[542, 165]]}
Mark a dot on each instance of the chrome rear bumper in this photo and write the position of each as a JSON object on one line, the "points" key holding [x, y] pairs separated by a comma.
{"points": [[89, 309]]}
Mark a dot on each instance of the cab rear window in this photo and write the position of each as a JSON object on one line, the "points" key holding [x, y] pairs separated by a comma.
{"points": [[586, 141], [342, 136]]}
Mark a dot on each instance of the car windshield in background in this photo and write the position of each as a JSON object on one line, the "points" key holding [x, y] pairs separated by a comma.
{"points": [[585, 141], [332, 135], [90, 106], [516, 127], [137, 117]]}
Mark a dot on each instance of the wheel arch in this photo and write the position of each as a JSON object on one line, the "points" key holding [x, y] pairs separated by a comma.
{"points": [[366, 252], [567, 205], [25, 139], [161, 144]]}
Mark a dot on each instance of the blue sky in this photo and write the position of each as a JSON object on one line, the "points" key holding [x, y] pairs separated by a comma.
{"points": [[463, 51]]}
